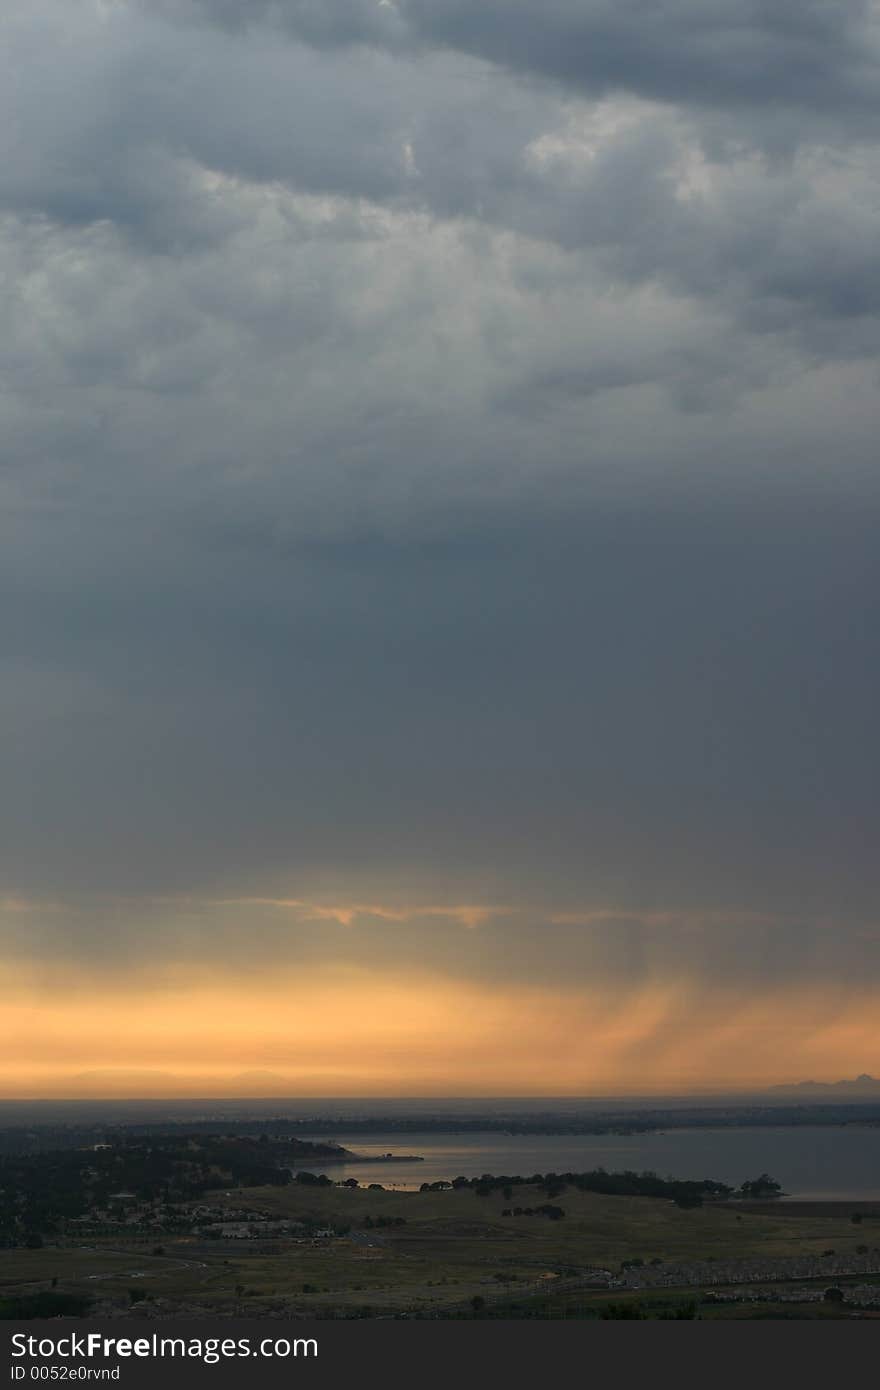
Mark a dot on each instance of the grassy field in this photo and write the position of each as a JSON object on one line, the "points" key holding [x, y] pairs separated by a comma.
{"points": [[454, 1246]]}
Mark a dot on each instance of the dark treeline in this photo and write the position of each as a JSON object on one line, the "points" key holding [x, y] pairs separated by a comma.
{"points": [[685, 1193], [35, 1138], [47, 1304], [40, 1193]]}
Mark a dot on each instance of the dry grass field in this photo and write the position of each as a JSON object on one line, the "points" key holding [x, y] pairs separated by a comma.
{"points": [[453, 1246]]}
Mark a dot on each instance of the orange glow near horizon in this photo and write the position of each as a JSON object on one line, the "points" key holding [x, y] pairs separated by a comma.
{"points": [[347, 1032]]}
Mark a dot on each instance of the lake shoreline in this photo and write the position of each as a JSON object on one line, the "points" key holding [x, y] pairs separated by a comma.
{"points": [[836, 1166]]}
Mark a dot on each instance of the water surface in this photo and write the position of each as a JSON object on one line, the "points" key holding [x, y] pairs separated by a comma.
{"points": [[822, 1162]]}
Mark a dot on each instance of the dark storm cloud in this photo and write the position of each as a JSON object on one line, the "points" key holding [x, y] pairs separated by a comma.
{"points": [[422, 484], [808, 52], [816, 54], [128, 120], [337, 24], [675, 709]]}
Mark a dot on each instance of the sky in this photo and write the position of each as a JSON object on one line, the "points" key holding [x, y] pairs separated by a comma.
{"points": [[438, 545]]}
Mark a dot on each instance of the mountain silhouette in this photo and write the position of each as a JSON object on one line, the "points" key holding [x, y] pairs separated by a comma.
{"points": [[863, 1085]]}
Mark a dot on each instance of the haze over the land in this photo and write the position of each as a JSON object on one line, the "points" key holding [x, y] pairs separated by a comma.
{"points": [[439, 546]]}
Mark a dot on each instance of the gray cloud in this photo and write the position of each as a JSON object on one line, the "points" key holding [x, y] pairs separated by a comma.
{"points": [[816, 55], [658, 710], [420, 476], [142, 121]]}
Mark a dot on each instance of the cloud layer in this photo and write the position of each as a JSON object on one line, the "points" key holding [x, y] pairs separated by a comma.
{"points": [[439, 489]]}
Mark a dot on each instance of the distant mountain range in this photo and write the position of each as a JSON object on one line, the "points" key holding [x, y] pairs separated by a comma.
{"points": [[863, 1085], [120, 1083]]}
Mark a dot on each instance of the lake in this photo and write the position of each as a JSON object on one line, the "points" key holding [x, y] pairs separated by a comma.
{"points": [[810, 1162]]}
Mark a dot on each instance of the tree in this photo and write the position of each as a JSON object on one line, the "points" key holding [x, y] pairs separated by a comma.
{"points": [[688, 1200], [761, 1187], [313, 1179]]}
